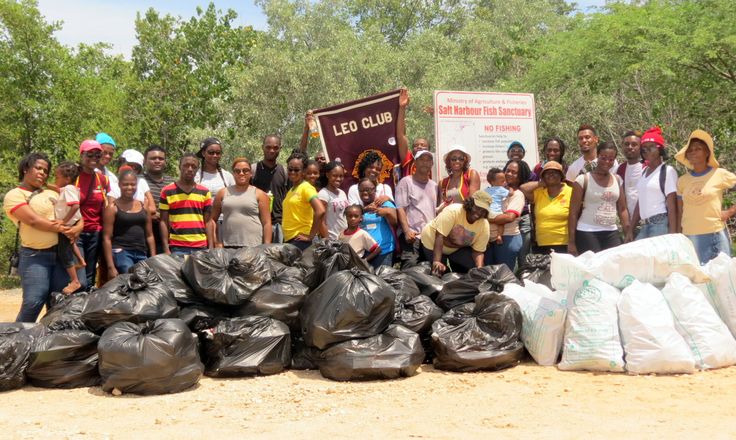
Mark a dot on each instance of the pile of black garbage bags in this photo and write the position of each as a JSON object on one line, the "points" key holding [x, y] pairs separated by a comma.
{"points": [[259, 311]]}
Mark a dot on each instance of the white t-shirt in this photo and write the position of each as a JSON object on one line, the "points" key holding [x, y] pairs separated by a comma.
{"points": [[114, 185], [68, 197], [575, 168], [651, 199], [214, 181], [381, 189], [335, 212], [140, 190], [633, 174], [599, 205]]}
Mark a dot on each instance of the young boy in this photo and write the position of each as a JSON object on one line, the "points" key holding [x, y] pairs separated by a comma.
{"points": [[66, 212], [358, 239], [497, 179]]}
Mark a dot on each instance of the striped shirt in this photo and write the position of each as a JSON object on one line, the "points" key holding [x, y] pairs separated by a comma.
{"points": [[186, 214]]}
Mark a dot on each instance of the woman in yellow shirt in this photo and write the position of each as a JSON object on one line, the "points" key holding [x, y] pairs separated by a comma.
{"points": [[550, 197], [700, 197], [302, 211]]}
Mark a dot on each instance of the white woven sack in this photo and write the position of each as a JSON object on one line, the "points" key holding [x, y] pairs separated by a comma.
{"points": [[651, 343], [721, 290], [710, 341], [543, 319], [592, 340]]}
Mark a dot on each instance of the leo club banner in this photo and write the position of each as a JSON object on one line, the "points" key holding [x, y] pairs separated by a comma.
{"points": [[348, 131]]}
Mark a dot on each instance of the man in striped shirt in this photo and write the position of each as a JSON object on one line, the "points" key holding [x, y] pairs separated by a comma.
{"points": [[185, 211]]}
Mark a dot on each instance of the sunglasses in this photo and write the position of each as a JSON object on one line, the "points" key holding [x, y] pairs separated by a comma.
{"points": [[294, 170], [457, 159], [241, 171], [91, 154], [214, 153]]}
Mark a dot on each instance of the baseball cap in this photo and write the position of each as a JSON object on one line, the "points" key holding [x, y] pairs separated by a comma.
{"points": [[133, 156], [104, 138], [552, 165], [89, 145], [482, 200]]}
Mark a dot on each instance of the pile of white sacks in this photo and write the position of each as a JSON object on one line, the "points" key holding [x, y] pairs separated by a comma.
{"points": [[644, 307]]}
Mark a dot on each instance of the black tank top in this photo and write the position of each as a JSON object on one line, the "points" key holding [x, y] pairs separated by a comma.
{"points": [[129, 230]]}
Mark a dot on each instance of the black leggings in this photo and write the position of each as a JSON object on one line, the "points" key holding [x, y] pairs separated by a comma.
{"points": [[596, 241]]}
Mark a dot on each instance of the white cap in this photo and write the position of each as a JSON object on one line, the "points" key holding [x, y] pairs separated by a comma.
{"points": [[133, 156], [421, 153], [456, 147]]}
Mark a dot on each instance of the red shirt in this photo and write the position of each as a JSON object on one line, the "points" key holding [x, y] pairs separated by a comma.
{"points": [[93, 189]]}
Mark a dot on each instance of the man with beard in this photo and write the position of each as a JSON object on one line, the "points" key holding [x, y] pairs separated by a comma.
{"points": [[631, 170], [271, 178], [588, 142], [155, 165]]}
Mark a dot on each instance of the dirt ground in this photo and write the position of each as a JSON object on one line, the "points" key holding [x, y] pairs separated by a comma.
{"points": [[525, 401]]}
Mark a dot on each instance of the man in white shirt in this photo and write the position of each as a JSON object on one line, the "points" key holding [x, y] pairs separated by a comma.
{"points": [[108, 151], [587, 142], [631, 170]]}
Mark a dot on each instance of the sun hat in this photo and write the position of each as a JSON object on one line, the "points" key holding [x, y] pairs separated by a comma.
{"points": [[700, 135]]}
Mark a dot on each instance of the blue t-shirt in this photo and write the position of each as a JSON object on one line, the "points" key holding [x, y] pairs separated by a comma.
{"points": [[379, 229]]}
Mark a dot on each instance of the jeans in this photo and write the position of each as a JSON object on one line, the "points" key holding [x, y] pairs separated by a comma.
{"points": [[302, 245], [655, 229], [181, 250], [411, 254], [125, 259], [708, 246], [40, 274], [382, 260], [89, 245], [504, 253], [277, 233]]}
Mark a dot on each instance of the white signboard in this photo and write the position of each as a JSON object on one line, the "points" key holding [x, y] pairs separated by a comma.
{"points": [[485, 123]]}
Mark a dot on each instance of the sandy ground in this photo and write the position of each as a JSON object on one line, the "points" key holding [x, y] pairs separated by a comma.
{"points": [[521, 402]]}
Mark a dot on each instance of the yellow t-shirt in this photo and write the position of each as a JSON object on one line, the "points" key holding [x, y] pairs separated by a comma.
{"points": [[550, 216], [297, 210], [453, 224], [702, 200], [43, 205]]}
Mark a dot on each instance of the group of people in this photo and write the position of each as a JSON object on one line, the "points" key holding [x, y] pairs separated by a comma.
{"points": [[97, 221]]}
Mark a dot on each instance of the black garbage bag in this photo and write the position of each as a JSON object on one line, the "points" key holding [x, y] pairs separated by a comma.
{"points": [[417, 314], [64, 359], [403, 284], [168, 267], [16, 343], [136, 297], [66, 311], [348, 305], [304, 357], [279, 298], [479, 279], [484, 335], [428, 284], [327, 257], [286, 254], [451, 276], [227, 276], [395, 353], [203, 316], [157, 357], [536, 268], [246, 346]]}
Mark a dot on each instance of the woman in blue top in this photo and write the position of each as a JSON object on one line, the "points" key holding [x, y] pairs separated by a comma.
{"points": [[378, 221]]}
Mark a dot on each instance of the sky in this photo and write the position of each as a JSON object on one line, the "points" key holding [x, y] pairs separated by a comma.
{"points": [[113, 21]]}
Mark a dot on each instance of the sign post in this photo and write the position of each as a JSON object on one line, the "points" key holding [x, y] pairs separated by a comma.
{"points": [[485, 124]]}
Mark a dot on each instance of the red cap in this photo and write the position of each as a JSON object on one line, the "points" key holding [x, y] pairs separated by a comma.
{"points": [[654, 134], [89, 145]]}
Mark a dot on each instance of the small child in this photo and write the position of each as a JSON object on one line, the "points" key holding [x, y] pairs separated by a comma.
{"points": [[498, 191], [66, 212], [358, 239]]}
